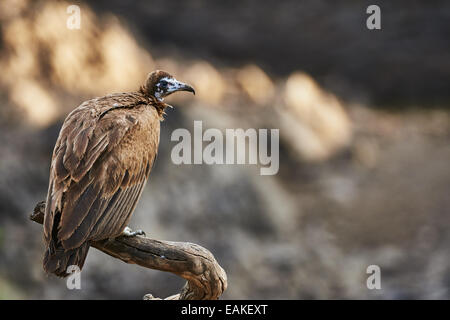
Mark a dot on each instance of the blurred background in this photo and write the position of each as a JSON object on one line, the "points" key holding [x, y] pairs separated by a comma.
{"points": [[364, 141]]}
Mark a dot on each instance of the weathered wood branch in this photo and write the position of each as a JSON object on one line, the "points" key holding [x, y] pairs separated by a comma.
{"points": [[206, 280]]}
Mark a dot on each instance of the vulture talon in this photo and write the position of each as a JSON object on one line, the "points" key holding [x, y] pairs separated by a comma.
{"points": [[139, 232], [127, 232]]}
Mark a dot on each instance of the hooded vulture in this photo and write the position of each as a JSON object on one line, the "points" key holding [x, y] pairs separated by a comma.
{"points": [[100, 164]]}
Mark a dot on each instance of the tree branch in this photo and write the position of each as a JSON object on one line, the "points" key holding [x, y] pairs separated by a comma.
{"points": [[206, 280]]}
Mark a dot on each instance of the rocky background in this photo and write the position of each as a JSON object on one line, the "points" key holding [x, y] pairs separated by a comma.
{"points": [[364, 141]]}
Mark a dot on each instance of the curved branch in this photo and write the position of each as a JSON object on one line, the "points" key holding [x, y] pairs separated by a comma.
{"points": [[206, 280]]}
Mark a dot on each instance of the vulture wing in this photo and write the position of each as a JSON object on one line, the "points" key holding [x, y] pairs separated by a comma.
{"points": [[100, 165]]}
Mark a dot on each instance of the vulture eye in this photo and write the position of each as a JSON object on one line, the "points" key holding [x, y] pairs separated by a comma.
{"points": [[163, 84]]}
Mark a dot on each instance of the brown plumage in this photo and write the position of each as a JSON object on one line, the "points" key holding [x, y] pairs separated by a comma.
{"points": [[100, 164]]}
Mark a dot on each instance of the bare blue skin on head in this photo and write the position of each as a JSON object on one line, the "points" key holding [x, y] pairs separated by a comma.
{"points": [[168, 85]]}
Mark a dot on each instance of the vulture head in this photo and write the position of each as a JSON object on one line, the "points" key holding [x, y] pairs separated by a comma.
{"points": [[160, 84]]}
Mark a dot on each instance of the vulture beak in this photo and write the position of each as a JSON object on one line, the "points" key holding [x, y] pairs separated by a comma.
{"points": [[176, 85]]}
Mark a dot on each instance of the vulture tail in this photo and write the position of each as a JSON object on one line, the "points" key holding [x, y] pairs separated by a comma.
{"points": [[58, 260]]}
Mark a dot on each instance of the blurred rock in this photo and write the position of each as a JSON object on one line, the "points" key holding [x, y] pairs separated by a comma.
{"points": [[39, 105], [207, 81], [256, 84], [39, 50], [314, 121]]}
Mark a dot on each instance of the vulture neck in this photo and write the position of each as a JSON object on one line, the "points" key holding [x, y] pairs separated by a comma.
{"points": [[154, 102]]}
